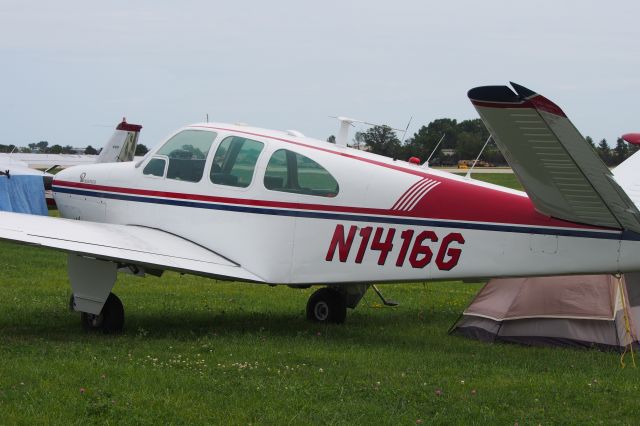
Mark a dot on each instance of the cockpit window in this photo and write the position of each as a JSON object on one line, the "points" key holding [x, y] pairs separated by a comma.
{"points": [[187, 152], [288, 171], [155, 167], [235, 161]]}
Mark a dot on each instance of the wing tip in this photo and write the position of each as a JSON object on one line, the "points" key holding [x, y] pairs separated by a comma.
{"points": [[502, 94], [505, 97], [522, 91]]}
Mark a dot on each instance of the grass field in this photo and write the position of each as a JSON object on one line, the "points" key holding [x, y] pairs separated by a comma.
{"points": [[196, 351]]}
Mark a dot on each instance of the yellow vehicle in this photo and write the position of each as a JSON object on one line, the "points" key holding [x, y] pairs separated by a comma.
{"points": [[465, 164]]}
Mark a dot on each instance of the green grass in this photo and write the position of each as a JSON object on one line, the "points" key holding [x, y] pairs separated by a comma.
{"points": [[197, 351], [505, 179]]}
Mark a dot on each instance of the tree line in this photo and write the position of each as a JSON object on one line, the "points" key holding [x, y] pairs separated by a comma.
{"points": [[462, 141], [43, 147]]}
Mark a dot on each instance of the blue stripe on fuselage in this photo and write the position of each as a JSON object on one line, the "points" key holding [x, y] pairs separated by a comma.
{"points": [[626, 235]]}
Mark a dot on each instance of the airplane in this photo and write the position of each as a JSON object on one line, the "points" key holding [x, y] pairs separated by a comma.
{"points": [[121, 146], [241, 203]]}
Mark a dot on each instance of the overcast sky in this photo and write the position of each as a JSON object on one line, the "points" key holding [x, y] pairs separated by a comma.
{"points": [[70, 70]]}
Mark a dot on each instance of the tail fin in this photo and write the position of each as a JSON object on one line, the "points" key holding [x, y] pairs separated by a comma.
{"points": [[559, 170], [122, 145]]}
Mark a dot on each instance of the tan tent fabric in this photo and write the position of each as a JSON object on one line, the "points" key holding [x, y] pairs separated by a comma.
{"points": [[580, 310], [579, 296]]}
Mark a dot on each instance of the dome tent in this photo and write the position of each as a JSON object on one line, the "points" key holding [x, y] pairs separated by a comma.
{"points": [[600, 311]]}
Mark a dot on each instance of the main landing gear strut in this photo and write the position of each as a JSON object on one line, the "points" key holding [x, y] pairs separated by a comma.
{"points": [[91, 282]]}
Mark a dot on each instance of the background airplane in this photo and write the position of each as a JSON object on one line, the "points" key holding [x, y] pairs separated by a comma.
{"points": [[28, 194], [248, 204]]}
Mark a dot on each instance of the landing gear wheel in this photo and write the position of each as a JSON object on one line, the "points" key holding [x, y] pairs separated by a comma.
{"points": [[327, 306], [110, 320]]}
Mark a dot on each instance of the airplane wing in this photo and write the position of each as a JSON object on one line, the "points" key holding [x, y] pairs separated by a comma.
{"points": [[559, 170], [128, 244]]}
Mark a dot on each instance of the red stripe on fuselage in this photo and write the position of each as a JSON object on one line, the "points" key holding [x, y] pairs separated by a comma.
{"points": [[455, 201], [406, 194], [458, 201], [216, 199]]}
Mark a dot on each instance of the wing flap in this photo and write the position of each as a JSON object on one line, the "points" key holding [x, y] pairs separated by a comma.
{"points": [[123, 243], [559, 170]]}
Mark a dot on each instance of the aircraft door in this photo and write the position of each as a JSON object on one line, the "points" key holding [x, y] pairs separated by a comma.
{"points": [[302, 182]]}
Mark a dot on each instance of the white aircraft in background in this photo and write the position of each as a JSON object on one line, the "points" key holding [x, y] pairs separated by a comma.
{"points": [[246, 204], [120, 147]]}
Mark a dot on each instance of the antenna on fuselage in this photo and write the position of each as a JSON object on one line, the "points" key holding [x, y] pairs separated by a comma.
{"points": [[468, 175], [346, 123], [404, 135], [426, 163]]}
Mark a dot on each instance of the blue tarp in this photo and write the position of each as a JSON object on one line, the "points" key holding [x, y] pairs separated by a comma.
{"points": [[23, 194]]}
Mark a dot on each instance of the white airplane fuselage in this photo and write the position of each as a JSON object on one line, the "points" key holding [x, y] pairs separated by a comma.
{"points": [[389, 221]]}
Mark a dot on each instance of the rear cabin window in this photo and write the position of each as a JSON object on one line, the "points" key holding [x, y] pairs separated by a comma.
{"points": [[155, 167], [187, 152], [235, 161], [288, 171]]}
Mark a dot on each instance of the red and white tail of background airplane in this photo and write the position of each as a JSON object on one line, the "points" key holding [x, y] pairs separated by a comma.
{"points": [[247, 204], [120, 147]]}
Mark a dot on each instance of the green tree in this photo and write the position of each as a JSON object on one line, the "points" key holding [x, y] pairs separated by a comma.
{"points": [[68, 149], [42, 146], [382, 140], [141, 149], [426, 138], [604, 152], [621, 151], [89, 150], [55, 149], [358, 140], [471, 138]]}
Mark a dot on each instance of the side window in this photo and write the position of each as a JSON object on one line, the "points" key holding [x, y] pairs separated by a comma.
{"points": [[155, 167], [187, 152], [288, 171], [235, 161]]}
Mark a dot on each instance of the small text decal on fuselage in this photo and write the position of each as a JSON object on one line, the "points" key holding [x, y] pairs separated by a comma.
{"points": [[413, 248], [83, 178]]}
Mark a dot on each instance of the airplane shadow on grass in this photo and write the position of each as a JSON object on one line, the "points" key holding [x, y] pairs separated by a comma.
{"points": [[365, 326]]}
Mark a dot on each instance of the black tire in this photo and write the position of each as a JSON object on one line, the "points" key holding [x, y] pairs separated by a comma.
{"points": [[109, 321], [327, 305]]}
